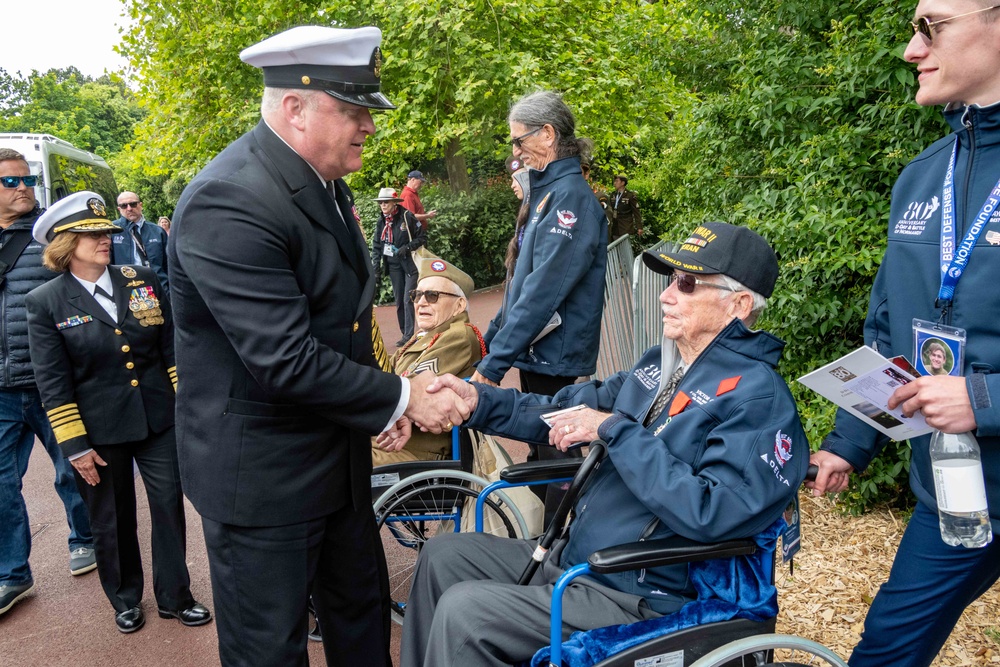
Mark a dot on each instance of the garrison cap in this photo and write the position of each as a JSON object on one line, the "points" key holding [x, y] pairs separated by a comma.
{"points": [[79, 212], [435, 266], [346, 63], [718, 247]]}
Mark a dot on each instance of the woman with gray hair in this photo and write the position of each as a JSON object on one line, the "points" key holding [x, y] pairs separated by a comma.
{"points": [[549, 324]]}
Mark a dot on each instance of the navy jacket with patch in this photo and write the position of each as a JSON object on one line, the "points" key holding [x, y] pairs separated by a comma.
{"points": [[560, 269], [724, 466], [907, 284]]}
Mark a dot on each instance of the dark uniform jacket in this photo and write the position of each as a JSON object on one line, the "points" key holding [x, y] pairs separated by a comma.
{"points": [[408, 234], [625, 215], [272, 295], [154, 242], [102, 382]]}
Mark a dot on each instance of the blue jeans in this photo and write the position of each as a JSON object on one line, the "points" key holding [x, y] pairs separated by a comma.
{"points": [[929, 587], [21, 419]]}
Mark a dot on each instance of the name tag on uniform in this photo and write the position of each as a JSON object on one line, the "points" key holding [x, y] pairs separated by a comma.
{"points": [[74, 321]]}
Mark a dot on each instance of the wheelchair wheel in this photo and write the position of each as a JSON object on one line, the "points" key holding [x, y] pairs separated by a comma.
{"points": [[417, 509], [771, 651]]}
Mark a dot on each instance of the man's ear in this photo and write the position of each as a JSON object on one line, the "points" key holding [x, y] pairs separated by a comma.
{"points": [[293, 107], [742, 305]]}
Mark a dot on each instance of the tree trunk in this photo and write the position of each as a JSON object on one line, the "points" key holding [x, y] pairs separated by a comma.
{"points": [[454, 161]]}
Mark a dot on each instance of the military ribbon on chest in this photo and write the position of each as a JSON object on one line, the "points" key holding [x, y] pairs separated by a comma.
{"points": [[145, 306], [74, 321]]}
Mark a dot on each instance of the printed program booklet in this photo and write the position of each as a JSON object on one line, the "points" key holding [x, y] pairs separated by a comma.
{"points": [[861, 383]]}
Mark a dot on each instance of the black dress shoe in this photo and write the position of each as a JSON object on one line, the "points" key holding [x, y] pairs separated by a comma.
{"points": [[196, 614], [130, 620]]}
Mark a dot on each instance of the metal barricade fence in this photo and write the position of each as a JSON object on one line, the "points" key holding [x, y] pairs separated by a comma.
{"points": [[615, 353], [648, 318], [632, 321]]}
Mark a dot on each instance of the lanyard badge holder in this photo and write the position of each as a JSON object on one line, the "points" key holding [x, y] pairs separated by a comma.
{"points": [[938, 349]]}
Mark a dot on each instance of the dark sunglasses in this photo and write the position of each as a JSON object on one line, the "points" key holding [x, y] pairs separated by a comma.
{"points": [[12, 181], [431, 295], [924, 27], [516, 141], [129, 204], [686, 283]]}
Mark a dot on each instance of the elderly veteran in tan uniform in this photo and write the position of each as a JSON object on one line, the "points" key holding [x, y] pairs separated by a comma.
{"points": [[102, 345], [446, 342]]}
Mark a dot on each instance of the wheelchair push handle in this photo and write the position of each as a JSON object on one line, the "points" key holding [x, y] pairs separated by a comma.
{"points": [[553, 530]]}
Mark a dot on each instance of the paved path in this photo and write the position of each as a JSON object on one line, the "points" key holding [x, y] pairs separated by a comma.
{"points": [[67, 621]]}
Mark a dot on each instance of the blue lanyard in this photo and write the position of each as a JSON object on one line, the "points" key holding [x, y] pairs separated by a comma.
{"points": [[955, 260]]}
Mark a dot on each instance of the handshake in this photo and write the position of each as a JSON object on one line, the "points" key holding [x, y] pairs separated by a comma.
{"points": [[436, 404]]}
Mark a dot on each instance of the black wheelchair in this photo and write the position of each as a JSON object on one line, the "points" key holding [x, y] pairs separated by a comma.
{"points": [[732, 643]]}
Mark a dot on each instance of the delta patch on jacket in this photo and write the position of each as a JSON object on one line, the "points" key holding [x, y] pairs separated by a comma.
{"points": [[74, 321], [782, 455]]}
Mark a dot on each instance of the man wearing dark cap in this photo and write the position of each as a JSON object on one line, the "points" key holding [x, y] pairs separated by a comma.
{"points": [[272, 292], [411, 200], [704, 441]]}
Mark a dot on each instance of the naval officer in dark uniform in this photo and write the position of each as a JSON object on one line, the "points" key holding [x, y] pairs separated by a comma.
{"points": [[272, 293], [102, 346]]}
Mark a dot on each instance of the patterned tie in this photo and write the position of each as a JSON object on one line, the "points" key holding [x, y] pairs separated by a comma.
{"points": [[664, 396], [139, 248]]}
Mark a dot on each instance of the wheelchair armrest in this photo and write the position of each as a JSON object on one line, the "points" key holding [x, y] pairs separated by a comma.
{"points": [[534, 471], [667, 551]]}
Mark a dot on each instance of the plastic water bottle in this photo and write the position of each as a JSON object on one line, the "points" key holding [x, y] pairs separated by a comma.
{"points": [[960, 490]]}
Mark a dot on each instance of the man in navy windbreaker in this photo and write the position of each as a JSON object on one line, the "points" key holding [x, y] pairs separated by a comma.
{"points": [[704, 441], [950, 277]]}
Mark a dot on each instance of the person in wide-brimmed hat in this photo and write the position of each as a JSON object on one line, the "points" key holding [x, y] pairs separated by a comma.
{"points": [[397, 234], [102, 345]]}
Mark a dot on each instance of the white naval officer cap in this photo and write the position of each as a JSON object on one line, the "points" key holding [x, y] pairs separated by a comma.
{"points": [[346, 63], [79, 212]]}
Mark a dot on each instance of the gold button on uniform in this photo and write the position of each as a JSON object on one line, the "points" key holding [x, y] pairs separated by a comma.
{"points": [[130, 365], [355, 326], [135, 383], [118, 332], [125, 348]]}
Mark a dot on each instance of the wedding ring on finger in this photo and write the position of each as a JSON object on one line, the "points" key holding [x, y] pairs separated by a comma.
{"points": [[449, 426], [567, 429]]}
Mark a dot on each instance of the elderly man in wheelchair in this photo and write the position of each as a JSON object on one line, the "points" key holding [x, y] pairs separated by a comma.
{"points": [[703, 441]]}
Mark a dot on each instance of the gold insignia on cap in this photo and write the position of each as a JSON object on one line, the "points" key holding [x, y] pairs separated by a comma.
{"points": [[97, 207], [128, 272], [378, 62], [306, 80]]}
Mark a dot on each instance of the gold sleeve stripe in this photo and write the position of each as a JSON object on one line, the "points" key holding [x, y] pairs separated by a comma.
{"points": [[378, 347], [66, 422], [172, 372]]}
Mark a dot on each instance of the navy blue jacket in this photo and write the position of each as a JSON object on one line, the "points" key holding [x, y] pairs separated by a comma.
{"points": [[154, 241], [560, 269], [26, 274], [723, 461], [907, 285]]}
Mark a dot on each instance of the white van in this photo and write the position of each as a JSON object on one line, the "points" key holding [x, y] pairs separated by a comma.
{"points": [[62, 168]]}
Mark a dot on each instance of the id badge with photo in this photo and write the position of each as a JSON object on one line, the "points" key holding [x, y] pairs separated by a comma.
{"points": [[938, 349], [387, 250]]}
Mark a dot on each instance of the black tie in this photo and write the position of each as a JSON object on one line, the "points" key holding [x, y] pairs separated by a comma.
{"points": [[664, 396], [100, 290], [138, 245]]}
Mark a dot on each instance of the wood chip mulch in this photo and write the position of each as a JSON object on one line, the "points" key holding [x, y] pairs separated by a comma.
{"points": [[843, 561]]}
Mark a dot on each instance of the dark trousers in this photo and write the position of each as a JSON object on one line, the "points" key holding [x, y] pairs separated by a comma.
{"points": [[547, 385], [404, 281], [262, 578], [112, 506], [929, 587]]}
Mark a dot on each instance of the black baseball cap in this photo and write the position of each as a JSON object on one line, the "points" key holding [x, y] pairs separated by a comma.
{"points": [[719, 247]]}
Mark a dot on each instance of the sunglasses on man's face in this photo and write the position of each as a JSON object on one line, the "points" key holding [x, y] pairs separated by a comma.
{"points": [[516, 141], [129, 204], [686, 283], [431, 295], [13, 181], [926, 28]]}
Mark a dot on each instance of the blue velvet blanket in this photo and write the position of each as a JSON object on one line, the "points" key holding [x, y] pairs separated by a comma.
{"points": [[738, 587]]}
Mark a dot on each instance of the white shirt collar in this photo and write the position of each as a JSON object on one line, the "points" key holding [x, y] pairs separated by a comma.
{"points": [[104, 281]]}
